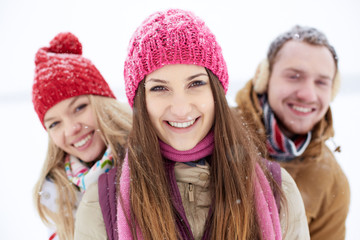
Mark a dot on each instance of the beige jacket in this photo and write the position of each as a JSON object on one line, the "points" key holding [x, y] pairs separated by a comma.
{"points": [[193, 187]]}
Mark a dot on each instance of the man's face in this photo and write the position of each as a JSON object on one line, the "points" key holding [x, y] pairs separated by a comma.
{"points": [[300, 86]]}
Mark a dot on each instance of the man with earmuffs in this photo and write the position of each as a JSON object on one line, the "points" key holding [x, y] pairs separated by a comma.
{"points": [[287, 103]]}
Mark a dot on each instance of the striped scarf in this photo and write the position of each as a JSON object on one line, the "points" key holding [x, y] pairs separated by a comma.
{"points": [[279, 146], [81, 175]]}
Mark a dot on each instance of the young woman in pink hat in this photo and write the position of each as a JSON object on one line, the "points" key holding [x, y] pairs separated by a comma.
{"points": [[192, 170], [87, 130]]}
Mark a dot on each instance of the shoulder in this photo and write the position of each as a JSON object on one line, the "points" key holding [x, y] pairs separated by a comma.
{"points": [[318, 179], [91, 195], [323, 180], [292, 213], [327, 199], [243, 95], [335, 184], [329, 162], [89, 223], [290, 189], [48, 195]]}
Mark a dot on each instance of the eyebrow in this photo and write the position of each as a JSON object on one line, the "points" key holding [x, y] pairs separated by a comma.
{"points": [[302, 72], [73, 101], [196, 75], [69, 105], [187, 79]]}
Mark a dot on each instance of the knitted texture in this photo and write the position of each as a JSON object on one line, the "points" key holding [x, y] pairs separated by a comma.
{"points": [[171, 37], [61, 72], [83, 176], [204, 148]]}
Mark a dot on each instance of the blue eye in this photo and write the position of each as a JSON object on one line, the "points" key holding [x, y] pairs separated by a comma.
{"points": [[296, 76], [157, 89], [80, 107], [322, 83], [52, 125], [197, 83]]}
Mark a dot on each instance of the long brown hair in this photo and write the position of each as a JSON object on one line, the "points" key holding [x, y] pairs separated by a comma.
{"points": [[114, 121], [232, 169]]}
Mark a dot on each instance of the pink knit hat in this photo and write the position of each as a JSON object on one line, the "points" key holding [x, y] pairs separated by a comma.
{"points": [[61, 72], [171, 37]]}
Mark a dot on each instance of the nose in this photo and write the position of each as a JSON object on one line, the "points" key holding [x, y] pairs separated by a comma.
{"points": [[180, 105], [307, 92], [72, 128]]}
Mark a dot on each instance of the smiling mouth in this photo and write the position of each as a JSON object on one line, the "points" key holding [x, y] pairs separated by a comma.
{"points": [[302, 109], [83, 141], [181, 124]]}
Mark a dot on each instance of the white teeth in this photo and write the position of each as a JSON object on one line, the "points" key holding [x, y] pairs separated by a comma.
{"points": [[301, 109], [82, 141], [183, 124]]}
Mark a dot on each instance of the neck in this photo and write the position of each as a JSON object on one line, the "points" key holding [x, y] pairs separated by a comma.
{"points": [[292, 136], [204, 148]]}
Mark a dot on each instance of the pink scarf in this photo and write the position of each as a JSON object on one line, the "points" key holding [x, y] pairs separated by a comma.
{"points": [[266, 208]]}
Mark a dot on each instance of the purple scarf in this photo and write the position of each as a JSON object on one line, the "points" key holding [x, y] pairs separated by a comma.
{"points": [[267, 212]]}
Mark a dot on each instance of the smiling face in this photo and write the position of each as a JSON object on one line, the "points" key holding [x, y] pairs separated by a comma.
{"points": [[73, 127], [180, 104], [300, 86]]}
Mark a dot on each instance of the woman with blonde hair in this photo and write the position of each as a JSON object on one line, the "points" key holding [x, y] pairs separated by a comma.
{"points": [[87, 129], [192, 170]]}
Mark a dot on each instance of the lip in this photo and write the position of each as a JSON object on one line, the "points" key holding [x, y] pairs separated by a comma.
{"points": [[181, 130], [300, 109], [87, 144]]}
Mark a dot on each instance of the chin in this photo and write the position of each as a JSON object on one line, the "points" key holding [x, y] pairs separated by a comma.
{"points": [[183, 147], [301, 131]]}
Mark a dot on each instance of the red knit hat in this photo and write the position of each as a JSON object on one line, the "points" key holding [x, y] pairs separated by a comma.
{"points": [[171, 37], [61, 72]]}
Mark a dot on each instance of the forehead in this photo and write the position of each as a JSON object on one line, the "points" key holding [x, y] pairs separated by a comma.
{"points": [[299, 49], [64, 105], [304, 54], [175, 71]]}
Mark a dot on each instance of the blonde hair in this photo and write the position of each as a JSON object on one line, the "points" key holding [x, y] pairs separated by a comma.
{"points": [[114, 120]]}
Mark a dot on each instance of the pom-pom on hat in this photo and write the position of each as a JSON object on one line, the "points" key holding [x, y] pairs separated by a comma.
{"points": [[171, 37], [61, 72]]}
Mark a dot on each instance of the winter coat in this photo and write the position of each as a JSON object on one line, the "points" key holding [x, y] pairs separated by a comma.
{"points": [[49, 198], [193, 188], [321, 181]]}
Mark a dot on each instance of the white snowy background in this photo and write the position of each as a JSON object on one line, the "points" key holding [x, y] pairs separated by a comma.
{"points": [[244, 29]]}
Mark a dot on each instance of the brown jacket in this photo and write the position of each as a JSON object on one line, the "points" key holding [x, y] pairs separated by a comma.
{"points": [[321, 181]]}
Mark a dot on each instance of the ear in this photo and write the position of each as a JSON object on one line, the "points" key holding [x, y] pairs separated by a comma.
{"points": [[336, 85], [261, 78]]}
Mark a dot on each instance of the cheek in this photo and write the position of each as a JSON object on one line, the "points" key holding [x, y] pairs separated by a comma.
{"points": [[90, 119], [278, 88], [57, 139], [326, 98], [154, 109], [208, 107]]}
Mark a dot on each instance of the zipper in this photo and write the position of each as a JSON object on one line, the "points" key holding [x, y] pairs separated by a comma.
{"points": [[191, 193]]}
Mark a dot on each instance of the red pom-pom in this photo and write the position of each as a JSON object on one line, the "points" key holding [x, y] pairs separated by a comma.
{"points": [[65, 43], [41, 56]]}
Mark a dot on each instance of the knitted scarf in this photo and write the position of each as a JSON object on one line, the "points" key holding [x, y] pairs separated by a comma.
{"points": [[81, 175], [279, 146], [267, 212]]}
